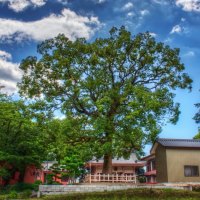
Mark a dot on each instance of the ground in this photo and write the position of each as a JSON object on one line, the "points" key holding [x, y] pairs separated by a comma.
{"points": [[131, 194]]}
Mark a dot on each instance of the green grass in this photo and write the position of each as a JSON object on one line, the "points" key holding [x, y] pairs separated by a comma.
{"points": [[131, 194]]}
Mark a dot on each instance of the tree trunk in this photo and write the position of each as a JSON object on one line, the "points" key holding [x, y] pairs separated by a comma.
{"points": [[107, 164]]}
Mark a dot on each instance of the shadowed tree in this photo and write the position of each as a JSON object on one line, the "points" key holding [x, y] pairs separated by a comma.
{"points": [[118, 89]]}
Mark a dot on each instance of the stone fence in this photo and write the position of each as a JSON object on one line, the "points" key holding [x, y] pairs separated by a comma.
{"points": [[64, 189]]}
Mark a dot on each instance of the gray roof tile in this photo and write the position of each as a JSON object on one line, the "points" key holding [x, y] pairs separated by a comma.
{"points": [[188, 143]]}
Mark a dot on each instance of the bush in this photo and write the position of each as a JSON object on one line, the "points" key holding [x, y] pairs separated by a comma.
{"points": [[196, 188], [36, 185], [12, 195], [21, 187], [25, 194], [142, 179]]}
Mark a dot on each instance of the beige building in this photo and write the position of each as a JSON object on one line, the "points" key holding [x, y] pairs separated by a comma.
{"points": [[176, 160], [123, 170]]}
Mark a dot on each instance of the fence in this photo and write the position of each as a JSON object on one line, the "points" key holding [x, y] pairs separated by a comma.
{"points": [[113, 178]]}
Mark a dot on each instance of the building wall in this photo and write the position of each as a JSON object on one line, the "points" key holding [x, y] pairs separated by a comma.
{"points": [[176, 159], [161, 164]]}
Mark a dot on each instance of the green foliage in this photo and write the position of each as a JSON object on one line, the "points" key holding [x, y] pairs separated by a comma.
{"points": [[73, 165], [36, 185], [21, 138], [5, 173], [116, 92], [197, 115], [13, 195], [21, 187], [197, 120], [197, 136], [25, 194], [49, 178]]}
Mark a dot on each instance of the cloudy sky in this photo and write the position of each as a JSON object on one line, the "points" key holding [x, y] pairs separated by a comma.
{"points": [[25, 23]]}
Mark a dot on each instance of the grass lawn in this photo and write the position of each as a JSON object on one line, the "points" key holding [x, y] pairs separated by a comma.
{"points": [[131, 194]]}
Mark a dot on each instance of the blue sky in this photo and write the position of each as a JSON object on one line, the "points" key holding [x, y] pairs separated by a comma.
{"points": [[25, 23]]}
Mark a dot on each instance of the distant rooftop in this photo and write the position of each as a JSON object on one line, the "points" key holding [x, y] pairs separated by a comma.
{"points": [[192, 143], [132, 160]]}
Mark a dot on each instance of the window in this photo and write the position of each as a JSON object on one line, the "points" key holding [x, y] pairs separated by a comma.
{"points": [[191, 170]]}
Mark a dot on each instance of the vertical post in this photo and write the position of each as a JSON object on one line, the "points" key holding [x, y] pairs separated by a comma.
{"points": [[108, 178], [90, 178]]}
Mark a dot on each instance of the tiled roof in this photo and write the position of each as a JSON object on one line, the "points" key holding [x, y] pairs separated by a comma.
{"points": [[132, 160], [188, 143]]}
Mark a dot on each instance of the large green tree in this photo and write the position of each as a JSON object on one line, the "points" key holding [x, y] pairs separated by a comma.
{"points": [[21, 138], [118, 89]]}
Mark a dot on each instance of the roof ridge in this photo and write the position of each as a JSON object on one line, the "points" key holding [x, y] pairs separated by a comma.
{"points": [[177, 139]]}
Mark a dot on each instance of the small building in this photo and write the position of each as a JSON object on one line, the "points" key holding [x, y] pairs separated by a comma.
{"points": [[150, 168], [33, 174], [174, 160], [123, 170]]}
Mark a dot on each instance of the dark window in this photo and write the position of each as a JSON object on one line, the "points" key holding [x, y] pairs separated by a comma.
{"points": [[191, 170]]}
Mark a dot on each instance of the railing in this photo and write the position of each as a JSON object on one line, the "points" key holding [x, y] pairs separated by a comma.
{"points": [[111, 178]]}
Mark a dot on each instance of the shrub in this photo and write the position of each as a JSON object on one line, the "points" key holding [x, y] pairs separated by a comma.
{"points": [[141, 179], [36, 185], [21, 187], [12, 195], [56, 183], [25, 194], [196, 188]]}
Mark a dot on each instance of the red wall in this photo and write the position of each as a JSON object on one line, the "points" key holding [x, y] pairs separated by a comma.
{"points": [[31, 175]]}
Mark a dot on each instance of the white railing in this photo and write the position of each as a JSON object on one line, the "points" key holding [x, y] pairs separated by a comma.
{"points": [[111, 178]]}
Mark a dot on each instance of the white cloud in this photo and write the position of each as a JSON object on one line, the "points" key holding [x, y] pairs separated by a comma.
{"points": [[20, 5], [183, 19], [68, 23], [38, 2], [9, 72], [189, 5], [161, 2], [189, 54], [127, 6], [5, 55], [144, 12], [64, 2], [130, 14], [153, 34], [176, 29]]}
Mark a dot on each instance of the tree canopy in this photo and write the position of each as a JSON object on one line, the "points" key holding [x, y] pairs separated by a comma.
{"points": [[21, 138], [118, 89]]}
